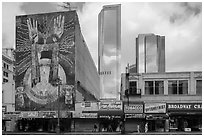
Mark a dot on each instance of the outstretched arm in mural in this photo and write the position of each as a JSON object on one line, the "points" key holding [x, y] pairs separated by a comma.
{"points": [[33, 36], [58, 29], [33, 30]]}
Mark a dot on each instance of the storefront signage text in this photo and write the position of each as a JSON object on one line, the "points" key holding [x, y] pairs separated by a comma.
{"points": [[155, 108], [110, 105], [134, 116], [89, 115], [184, 106], [136, 108], [29, 114], [48, 114], [109, 117]]}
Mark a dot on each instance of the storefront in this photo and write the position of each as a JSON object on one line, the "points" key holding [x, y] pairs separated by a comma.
{"points": [[110, 115], [44, 121], [185, 116], [85, 117], [134, 117], [9, 121], [156, 117], [85, 122]]}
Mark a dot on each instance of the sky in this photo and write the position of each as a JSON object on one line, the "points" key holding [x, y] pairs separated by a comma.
{"points": [[180, 23]]}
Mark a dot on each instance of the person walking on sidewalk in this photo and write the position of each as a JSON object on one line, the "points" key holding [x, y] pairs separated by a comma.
{"points": [[95, 127]]}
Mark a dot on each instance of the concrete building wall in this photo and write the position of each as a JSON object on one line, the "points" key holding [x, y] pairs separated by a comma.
{"points": [[86, 72]]}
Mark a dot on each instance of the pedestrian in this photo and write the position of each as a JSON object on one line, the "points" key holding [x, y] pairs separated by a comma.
{"points": [[138, 128], [146, 127], [110, 128], [95, 127]]}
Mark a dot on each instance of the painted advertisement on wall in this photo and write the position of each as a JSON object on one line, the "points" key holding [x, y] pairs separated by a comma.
{"points": [[45, 53]]}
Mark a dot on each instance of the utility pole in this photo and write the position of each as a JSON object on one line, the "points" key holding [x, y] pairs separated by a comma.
{"points": [[58, 109]]}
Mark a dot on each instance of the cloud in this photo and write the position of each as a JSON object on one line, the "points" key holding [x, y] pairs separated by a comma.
{"points": [[180, 23], [9, 11], [109, 59]]}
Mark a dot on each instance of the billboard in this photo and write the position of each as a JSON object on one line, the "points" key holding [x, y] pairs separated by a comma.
{"points": [[45, 52], [155, 108], [110, 105]]}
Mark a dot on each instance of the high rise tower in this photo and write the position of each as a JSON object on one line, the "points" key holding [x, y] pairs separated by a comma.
{"points": [[150, 53], [109, 51]]}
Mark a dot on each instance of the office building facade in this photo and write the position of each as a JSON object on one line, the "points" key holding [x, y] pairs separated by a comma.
{"points": [[150, 53], [109, 51]]}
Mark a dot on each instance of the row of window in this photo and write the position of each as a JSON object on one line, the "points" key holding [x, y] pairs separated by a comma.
{"points": [[5, 80], [5, 74], [157, 87], [6, 66]]}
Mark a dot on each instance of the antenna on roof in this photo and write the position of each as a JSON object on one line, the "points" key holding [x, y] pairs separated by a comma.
{"points": [[67, 6]]}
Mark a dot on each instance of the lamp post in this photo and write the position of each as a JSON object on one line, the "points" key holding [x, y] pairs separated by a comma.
{"points": [[58, 109]]}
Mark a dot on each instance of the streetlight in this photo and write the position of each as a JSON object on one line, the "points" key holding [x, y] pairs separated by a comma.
{"points": [[58, 83]]}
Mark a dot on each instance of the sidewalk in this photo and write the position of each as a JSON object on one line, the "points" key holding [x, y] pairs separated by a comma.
{"points": [[102, 133]]}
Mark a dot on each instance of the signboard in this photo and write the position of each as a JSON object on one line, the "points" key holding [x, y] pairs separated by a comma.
{"points": [[133, 108], [29, 114], [89, 115], [184, 106], [134, 115], [48, 114], [110, 105], [109, 116], [155, 108], [9, 115], [45, 45], [86, 104]]}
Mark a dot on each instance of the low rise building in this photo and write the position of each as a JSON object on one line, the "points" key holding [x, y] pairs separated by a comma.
{"points": [[172, 101]]}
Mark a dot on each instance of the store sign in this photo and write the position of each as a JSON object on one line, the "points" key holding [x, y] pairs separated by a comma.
{"points": [[29, 114], [11, 114], [86, 104], [133, 108], [113, 105], [109, 116], [48, 114], [155, 108], [184, 106], [89, 115], [134, 115]]}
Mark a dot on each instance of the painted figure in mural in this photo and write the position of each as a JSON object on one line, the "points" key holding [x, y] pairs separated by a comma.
{"points": [[19, 94], [34, 35]]}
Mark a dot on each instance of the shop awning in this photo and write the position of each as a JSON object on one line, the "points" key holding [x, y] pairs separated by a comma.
{"points": [[129, 115], [109, 114], [186, 113]]}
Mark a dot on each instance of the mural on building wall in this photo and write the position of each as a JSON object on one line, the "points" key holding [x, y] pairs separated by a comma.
{"points": [[45, 52]]}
